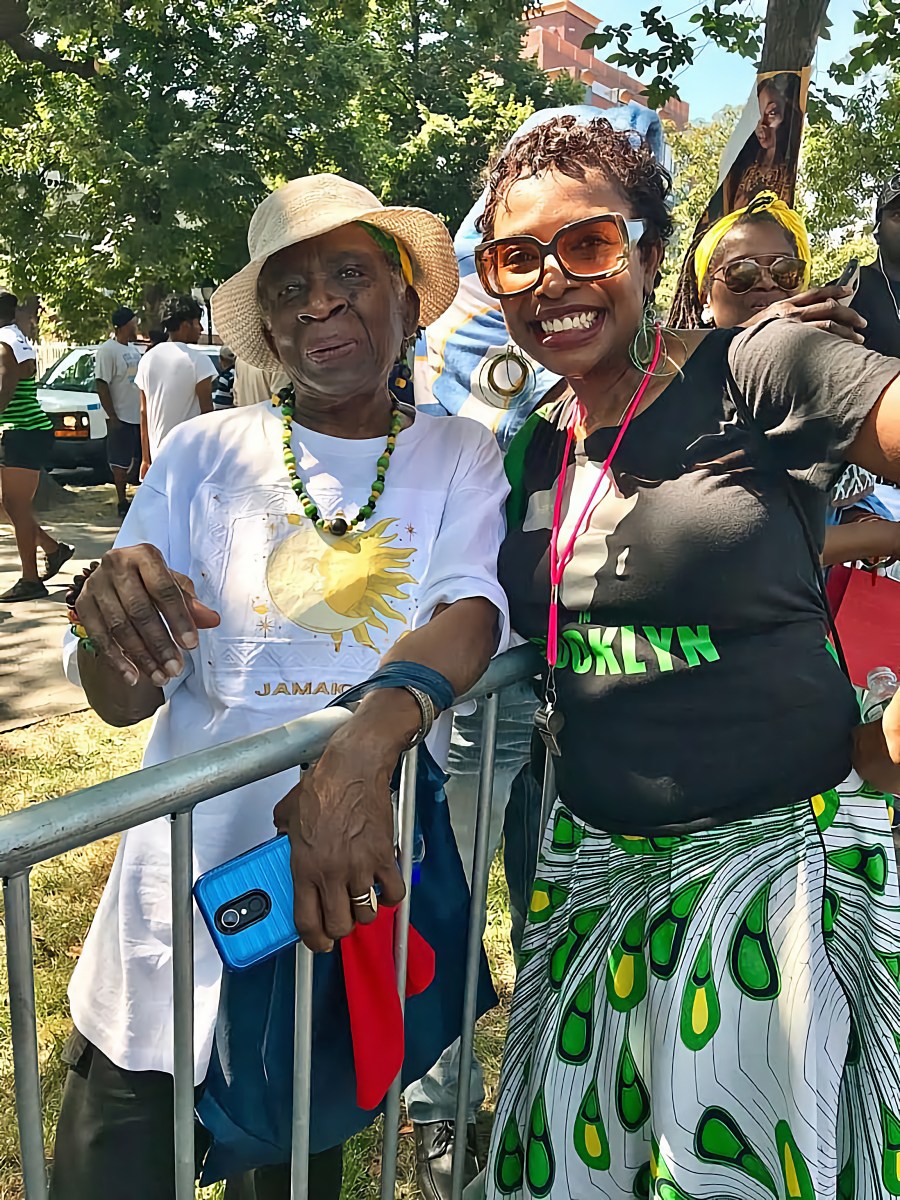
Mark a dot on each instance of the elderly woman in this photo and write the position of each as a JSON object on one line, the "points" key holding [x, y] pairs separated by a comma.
{"points": [[709, 993], [270, 560]]}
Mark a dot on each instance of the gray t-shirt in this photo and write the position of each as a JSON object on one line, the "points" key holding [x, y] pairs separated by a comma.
{"points": [[117, 366], [694, 675]]}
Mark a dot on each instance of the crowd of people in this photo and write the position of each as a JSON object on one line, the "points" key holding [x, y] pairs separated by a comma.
{"points": [[706, 1000]]}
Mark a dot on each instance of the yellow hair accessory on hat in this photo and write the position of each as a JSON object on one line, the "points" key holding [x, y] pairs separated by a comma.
{"points": [[764, 202]]}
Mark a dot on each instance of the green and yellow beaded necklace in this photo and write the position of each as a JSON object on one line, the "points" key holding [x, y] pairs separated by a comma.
{"points": [[339, 525]]}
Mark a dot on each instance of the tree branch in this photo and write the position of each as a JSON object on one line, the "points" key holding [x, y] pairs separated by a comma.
{"points": [[14, 23]]}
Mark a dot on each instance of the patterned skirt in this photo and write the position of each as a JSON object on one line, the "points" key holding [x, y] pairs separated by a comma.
{"points": [[709, 1017]]}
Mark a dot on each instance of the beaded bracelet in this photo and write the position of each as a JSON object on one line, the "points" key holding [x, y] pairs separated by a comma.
{"points": [[72, 595]]}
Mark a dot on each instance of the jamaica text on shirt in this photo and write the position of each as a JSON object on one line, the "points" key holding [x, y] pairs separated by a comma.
{"points": [[295, 688], [631, 650]]}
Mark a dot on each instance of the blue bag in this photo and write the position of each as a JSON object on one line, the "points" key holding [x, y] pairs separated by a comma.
{"points": [[245, 1104]]}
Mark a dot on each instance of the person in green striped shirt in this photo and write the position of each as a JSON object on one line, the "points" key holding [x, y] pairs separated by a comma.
{"points": [[25, 447]]}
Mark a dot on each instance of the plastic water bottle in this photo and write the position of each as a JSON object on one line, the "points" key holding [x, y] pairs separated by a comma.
{"points": [[418, 853], [881, 685]]}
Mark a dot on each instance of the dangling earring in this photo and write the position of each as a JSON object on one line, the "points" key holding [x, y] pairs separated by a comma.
{"points": [[401, 375], [506, 376], [706, 314], [644, 343]]}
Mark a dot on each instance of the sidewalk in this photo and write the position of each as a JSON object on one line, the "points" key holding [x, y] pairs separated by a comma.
{"points": [[32, 685]]}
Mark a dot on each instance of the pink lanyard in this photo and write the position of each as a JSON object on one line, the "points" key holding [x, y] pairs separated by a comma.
{"points": [[559, 562]]}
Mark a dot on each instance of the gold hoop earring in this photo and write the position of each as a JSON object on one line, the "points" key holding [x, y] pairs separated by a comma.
{"points": [[506, 376]]}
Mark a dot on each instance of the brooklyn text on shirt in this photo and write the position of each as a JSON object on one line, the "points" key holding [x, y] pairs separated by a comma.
{"points": [[283, 687], [629, 650]]}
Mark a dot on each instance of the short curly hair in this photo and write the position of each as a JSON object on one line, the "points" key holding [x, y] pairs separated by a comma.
{"points": [[563, 144]]}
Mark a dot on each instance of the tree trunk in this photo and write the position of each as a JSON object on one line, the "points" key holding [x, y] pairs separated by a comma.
{"points": [[792, 30]]}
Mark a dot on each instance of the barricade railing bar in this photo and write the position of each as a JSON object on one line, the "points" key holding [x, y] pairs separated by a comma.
{"points": [[173, 789]]}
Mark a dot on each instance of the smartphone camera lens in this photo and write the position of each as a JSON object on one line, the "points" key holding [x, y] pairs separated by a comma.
{"points": [[256, 904], [231, 918]]}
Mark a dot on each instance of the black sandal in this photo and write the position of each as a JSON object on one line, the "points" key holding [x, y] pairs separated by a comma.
{"points": [[57, 560], [25, 589]]}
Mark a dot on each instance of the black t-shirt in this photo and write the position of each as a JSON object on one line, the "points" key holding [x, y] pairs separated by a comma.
{"points": [[694, 675], [877, 300]]}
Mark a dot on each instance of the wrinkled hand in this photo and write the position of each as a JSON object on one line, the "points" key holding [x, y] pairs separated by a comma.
{"points": [[340, 823], [126, 607], [824, 307]]}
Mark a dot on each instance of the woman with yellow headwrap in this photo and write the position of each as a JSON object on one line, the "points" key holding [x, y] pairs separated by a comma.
{"points": [[755, 263]]}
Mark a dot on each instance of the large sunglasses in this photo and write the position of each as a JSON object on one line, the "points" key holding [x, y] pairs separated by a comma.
{"points": [[592, 248], [744, 274]]}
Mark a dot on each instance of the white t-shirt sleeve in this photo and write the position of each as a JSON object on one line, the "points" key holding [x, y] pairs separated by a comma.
{"points": [[463, 560], [140, 381], [13, 337], [148, 520], [104, 367], [203, 368]]}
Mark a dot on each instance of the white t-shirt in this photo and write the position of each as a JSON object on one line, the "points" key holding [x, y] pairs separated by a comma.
{"points": [[168, 378], [13, 337], [116, 365], [301, 620]]}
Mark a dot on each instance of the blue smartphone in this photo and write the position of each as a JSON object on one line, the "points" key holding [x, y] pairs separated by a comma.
{"points": [[248, 904]]}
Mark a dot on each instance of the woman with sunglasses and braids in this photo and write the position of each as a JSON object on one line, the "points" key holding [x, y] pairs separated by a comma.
{"points": [[754, 264], [709, 993]]}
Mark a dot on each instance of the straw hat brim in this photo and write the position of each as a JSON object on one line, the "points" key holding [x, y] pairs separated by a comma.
{"points": [[236, 312]]}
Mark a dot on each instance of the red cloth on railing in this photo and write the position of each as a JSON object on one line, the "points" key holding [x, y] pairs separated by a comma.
{"points": [[376, 1022]]}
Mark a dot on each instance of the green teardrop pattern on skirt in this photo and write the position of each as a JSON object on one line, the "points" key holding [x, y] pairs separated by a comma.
{"points": [[576, 1029], [567, 833], [892, 963], [589, 1134], [545, 900], [540, 1164], [751, 960], [667, 931], [890, 1153], [831, 907], [798, 1184], [719, 1140], [846, 1181], [509, 1169], [825, 807], [868, 864], [700, 1010], [626, 970], [648, 845], [632, 1097], [567, 949], [664, 1185], [643, 1181]]}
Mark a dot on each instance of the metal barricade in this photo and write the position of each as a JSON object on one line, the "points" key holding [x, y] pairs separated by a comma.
{"points": [[173, 789]]}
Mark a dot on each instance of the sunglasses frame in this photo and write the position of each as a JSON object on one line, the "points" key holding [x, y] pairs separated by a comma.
{"points": [[630, 230], [761, 268]]}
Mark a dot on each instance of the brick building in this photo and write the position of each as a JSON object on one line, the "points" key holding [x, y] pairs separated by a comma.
{"points": [[554, 38]]}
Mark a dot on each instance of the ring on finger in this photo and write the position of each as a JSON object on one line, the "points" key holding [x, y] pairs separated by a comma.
{"points": [[368, 899]]}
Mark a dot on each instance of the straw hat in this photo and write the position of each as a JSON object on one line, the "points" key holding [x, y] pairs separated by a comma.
{"points": [[305, 208]]}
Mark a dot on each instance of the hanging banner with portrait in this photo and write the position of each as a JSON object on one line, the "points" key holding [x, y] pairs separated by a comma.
{"points": [[762, 155]]}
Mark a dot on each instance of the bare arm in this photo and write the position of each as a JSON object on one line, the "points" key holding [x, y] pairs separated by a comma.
{"points": [[868, 538], [204, 395], [10, 374], [101, 387], [145, 438], [877, 445], [339, 818]]}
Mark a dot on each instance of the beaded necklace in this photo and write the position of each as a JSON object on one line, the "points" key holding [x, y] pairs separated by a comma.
{"points": [[338, 525]]}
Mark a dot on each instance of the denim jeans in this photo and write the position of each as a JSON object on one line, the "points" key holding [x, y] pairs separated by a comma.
{"points": [[433, 1097]]}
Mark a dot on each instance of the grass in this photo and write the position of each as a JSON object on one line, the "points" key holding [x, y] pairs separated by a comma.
{"points": [[65, 753]]}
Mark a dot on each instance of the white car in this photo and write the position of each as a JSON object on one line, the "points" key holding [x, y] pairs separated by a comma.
{"points": [[66, 394]]}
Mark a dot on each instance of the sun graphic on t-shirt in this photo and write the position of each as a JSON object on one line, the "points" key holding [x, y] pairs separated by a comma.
{"points": [[336, 585]]}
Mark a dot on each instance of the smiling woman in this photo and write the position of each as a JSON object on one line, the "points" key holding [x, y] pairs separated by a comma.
{"points": [[700, 915], [253, 581]]}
